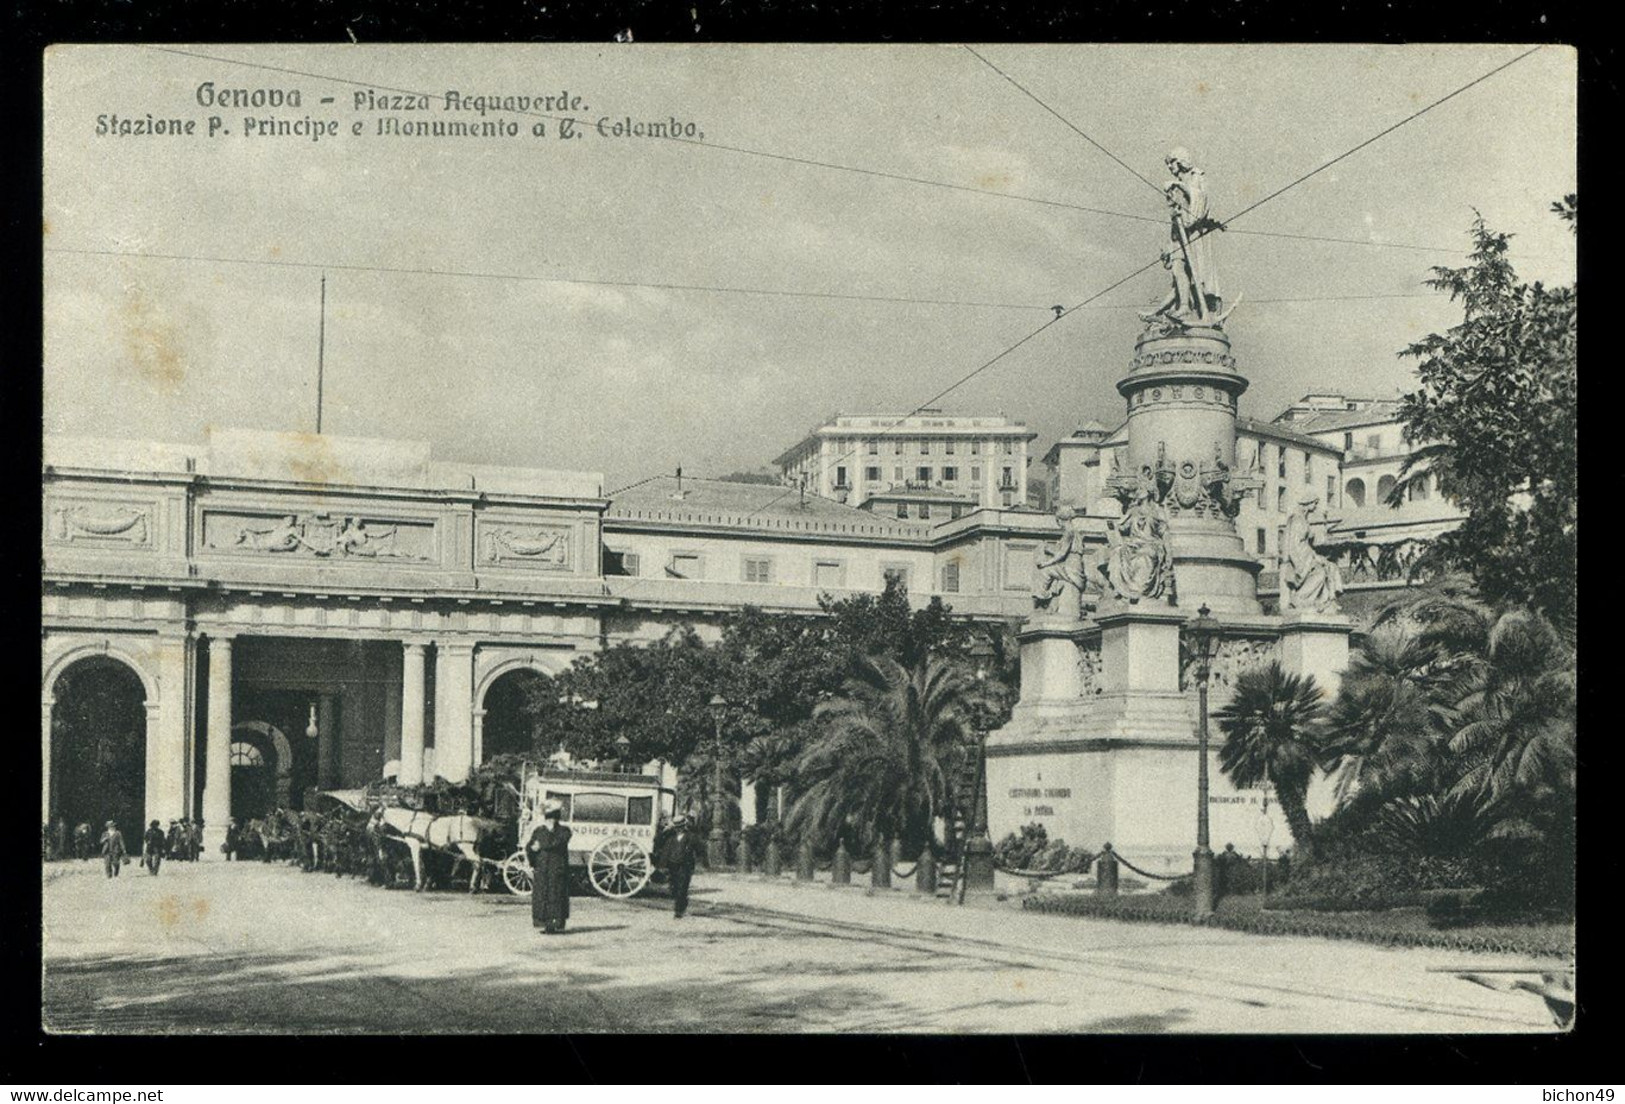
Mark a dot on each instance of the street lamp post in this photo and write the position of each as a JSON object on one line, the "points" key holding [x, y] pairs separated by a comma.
{"points": [[716, 847], [1203, 634], [978, 856]]}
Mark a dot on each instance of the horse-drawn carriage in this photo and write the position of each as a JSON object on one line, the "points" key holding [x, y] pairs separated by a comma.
{"points": [[614, 820]]}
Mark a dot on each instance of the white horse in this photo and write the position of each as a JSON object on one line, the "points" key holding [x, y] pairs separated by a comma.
{"points": [[458, 835]]}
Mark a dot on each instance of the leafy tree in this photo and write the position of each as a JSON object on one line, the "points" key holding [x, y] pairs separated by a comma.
{"points": [[1271, 732], [887, 751], [1495, 418]]}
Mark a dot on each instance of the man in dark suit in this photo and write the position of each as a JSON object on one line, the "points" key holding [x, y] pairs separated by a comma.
{"points": [[153, 847], [112, 849], [678, 855]]}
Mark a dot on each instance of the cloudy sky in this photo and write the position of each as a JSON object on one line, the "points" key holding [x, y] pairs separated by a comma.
{"points": [[215, 323]]}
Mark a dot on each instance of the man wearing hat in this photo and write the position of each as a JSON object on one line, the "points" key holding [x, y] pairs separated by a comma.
{"points": [[549, 853], [678, 855], [112, 849]]}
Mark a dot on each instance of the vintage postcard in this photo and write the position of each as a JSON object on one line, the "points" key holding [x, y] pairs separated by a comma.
{"points": [[809, 539]]}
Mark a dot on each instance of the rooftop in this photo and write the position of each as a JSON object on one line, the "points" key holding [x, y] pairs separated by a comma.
{"points": [[758, 506]]}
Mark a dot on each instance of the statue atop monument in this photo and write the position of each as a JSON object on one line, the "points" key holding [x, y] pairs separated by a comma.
{"points": [[1193, 299], [1309, 581], [1061, 577], [1138, 561]]}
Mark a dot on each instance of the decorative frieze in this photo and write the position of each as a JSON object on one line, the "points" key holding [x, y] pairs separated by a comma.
{"points": [[322, 536], [546, 547], [102, 523]]}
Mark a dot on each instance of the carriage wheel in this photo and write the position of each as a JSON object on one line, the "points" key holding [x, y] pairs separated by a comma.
{"points": [[516, 874], [618, 868]]}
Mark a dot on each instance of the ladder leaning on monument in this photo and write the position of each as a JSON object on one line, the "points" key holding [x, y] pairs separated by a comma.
{"points": [[962, 820]]}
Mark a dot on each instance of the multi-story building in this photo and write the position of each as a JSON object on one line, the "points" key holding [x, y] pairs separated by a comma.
{"points": [[978, 460]]}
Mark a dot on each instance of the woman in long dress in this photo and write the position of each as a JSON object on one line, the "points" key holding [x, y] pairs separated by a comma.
{"points": [[549, 852]]}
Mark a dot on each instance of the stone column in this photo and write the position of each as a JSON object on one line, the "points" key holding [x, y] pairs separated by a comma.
{"points": [[47, 706], [454, 710], [170, 731], [217, 757], [412, 707], [747, 804]]}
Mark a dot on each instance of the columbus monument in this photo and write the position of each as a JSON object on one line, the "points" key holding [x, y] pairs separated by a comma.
{"points": [[1102, 745]]}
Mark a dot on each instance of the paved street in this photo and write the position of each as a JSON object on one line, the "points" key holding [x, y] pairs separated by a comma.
{"points": [[216, 947]]}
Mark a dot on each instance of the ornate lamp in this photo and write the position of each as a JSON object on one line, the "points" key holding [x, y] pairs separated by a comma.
{"points": [[978, 856], [311, 730], [1202, 635]]}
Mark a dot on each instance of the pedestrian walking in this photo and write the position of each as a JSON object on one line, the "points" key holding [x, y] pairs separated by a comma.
{"points": [[64, 838], [194, 840], [549, 852], [678, 855], [153, 846], [234, 840], [175, 844], [83, 840], [113, 854]]}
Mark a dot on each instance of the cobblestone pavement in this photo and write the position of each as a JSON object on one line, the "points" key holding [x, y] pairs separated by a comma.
{"points": [[248, 947]]}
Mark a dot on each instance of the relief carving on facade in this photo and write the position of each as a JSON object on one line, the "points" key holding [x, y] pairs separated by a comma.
{"points": [[1198, 488], [323, 535], [1089, 670], [1235, 655], [125, 525], [529, 544]]}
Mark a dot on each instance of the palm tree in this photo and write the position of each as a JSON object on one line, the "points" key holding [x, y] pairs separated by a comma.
{"points": [[1271, 729], [1384, 733], [882, 763]]}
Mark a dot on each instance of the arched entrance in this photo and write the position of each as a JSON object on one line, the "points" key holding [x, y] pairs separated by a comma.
{"points": [[261, 769], [508, 727], [99, 746]]}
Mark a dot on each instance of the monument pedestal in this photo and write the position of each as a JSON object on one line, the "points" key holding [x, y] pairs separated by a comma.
{"points": [[1316, 644]]}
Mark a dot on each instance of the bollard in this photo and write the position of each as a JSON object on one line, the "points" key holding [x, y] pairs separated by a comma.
{"points": [[774, 862], [841, 869], [880, 868], [1106, 873], [806, 862], [925, 874]]}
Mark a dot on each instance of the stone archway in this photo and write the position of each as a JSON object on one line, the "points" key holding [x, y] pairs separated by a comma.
{"points": [[96, 708], [505, 726], [1354, 492], [261, 769]]}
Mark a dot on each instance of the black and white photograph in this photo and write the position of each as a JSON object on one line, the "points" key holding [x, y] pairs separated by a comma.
{"points": [[716, 539]]}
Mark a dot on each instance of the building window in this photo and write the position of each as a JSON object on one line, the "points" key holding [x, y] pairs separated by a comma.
{"points": [[955, 511], [976, 448], [1331, 490], [1348, 442], [874, 447], [1373, 441], [1262, 548], [758, 569], [900, 573], [1009, 479], [948, 447], [871, 475], [897, 475], [1355, 492], [1308, 472], [976, 475], [1385, 487], [1009, 448], [902, 509], [829, 573], [620, 563], [950, 578], [1007, 497], [925, 448], [950, 475], [840, 477], [897, 449], [1280, 463], [1280, 500], [684, 565], [923, 474], [925, 510]]}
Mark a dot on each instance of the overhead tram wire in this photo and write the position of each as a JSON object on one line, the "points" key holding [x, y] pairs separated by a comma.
{"points": [[880, 174], [1151, 264], [526, 278], [1068, 123]]}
